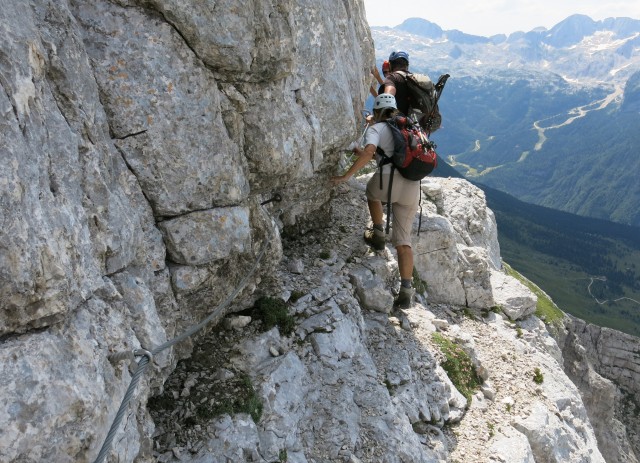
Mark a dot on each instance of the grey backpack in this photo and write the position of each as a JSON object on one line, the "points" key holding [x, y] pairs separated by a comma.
{"points": [[424, 96]]}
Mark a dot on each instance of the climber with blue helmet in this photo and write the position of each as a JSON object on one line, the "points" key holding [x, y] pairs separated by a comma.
{"points": [[395, 84], [396, 55]]}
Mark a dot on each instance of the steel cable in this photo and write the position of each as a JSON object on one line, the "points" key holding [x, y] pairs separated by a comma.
{"points": [[147, 356]]}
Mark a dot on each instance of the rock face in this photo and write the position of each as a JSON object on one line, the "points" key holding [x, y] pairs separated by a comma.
{"points": [[457, 249], [605, 365], [138, 140]]}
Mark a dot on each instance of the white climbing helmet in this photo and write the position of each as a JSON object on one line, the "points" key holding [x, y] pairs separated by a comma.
{"points": [[385, 100]]}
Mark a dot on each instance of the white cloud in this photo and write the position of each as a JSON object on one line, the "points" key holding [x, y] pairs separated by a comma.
{"points": [[489, 17]]}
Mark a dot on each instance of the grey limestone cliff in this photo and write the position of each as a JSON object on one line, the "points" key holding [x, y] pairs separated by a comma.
{"points": [[138, 140], [605, 365]]}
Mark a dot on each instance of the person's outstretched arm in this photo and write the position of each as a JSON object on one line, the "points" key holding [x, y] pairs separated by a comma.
{"points": [[363, 157], [376, 74]]}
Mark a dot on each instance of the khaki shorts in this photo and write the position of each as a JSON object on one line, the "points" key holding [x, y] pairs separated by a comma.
{"points": [[405, 195]]}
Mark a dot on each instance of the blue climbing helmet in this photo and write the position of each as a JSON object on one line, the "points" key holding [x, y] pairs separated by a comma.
{"points": [[396, 55]]}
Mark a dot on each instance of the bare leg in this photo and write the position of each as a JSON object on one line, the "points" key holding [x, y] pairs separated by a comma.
{"points": [[376, 211], [405, 261]]}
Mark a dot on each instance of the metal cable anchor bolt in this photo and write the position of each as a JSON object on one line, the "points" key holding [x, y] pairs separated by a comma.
{"points": [[143, 353], [276, 197]]}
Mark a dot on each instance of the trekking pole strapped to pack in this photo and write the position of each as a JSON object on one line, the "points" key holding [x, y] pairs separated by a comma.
{"points": [[435, 113]]}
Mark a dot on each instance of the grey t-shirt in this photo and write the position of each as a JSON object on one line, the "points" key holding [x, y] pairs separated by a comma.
{"points": [[379, 134]]}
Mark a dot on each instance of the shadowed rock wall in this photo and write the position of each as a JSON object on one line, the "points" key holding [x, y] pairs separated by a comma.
{"points": [[138, 140]]}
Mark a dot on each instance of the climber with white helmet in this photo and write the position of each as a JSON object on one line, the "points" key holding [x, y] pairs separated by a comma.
{"points": [[405, 195]]}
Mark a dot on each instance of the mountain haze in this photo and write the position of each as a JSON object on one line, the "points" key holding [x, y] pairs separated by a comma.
{"points": [[549, 116]]}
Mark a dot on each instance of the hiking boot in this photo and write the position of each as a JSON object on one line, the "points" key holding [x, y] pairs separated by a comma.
{"points": [[375, 238], [404, 299]]}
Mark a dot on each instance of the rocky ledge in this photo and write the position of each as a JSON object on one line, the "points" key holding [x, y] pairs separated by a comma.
{"points": [[347, 378]]}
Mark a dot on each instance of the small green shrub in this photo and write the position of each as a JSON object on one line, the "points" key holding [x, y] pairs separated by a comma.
{"points": [[252, 406], [282, 456], [419, 285], [324, 254], [390, 387], [538, 378], [492, 430], [487, 311], [206, 412], [458, 366], [295, 295], [519, 331], [273, 311], [246, 399], [243, 400]]}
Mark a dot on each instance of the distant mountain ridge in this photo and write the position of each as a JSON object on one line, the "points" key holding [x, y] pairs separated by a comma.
{"points": [[615, 42], [566, 33], [548, 116]]}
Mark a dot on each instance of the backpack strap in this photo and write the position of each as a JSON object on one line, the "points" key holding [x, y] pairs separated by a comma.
{"points": [[420, 204], [386, 160], [404, 75], [393, 168]]}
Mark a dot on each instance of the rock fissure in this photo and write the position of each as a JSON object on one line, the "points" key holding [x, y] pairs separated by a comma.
{"points": [[135, 134], [186, 42], [11, 101], [136, 176], [61, 110]]}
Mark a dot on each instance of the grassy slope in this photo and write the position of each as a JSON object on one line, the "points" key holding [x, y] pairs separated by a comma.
{"points": [[561, 253]]}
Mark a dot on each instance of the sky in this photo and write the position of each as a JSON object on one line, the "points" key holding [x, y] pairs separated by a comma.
{"points": [[490, 17]]}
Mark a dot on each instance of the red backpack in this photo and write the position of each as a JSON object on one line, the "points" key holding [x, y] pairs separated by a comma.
{"points": [[413, 154]]}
